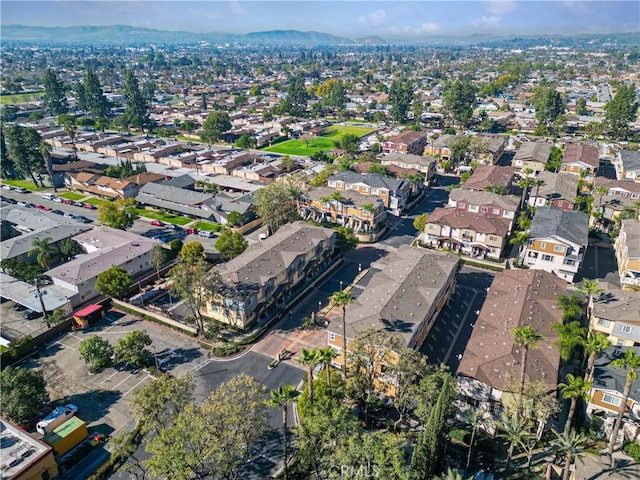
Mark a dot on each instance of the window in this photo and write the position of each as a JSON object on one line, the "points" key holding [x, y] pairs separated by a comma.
{"points": [[496, 211], [332, 336], [543, 245], [484, 209], [603, 323], [610, 399], [625, 328], [547, 258], [569, 262], [473, 208], [462, 205], [558, 248]]}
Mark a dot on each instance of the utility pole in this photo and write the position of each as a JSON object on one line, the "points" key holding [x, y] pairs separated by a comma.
{"points": [[39, 295]]}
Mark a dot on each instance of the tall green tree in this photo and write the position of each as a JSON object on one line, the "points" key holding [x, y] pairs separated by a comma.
{"points": [[325, 357], [191, 252], [114, 282], [295, 103], [96, 352], [55, 98], [214, 126], [631, 364], [45, 151], [119, 213], [459, 101], [95, 101], [136, 107], [275, 205], [594, 344], [24, 150], [282, 397], [590, 288], [575, 389], [80, 95], [515, 429], [158, 258], [131, 348], [621, 111], [400, 96], [310, 359], [527, 339], [570, 445], [548, 104], [45, 251], [341, 299], [22, 392], [571, 335], [231, 243]]}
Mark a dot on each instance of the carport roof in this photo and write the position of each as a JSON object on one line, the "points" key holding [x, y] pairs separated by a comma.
{"points": [[53, 296]]}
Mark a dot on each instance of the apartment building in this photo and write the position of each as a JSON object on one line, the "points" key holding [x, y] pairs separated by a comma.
{"points": [[627, 249], [487, 203], [407, 141], [394, 192], [581, 160], [616, 313], [558, 190]]}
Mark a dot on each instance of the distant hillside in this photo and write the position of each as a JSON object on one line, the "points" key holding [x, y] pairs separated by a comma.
{"points": [[127, 35]]}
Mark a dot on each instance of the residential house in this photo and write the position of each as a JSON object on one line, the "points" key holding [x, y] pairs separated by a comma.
{"points": [[439, 147], [425, 165], [581, 160], [394, 192], [268, 273], [616, 313], [407, 141], [105, 247], [621, 196], [489, 372], [353, 210], [176, 199], [627, 249], [607, 392], [533, 155], [101, 185], [627, 165], [487, 203], [558, 190], [473, 234], [494, 149], [487, 177], [403, 299], [557, 241], [23, 456]]}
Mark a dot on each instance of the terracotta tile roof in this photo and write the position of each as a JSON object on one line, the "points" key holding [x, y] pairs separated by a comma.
{"points": [[578, 152], [516, 298], [407, 136], [490, 175]]}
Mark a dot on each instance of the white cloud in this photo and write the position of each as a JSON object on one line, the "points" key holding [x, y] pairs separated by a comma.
{"points": [[236, 9], [429, 27], [485, 21], [499, 7], [373, 19]]}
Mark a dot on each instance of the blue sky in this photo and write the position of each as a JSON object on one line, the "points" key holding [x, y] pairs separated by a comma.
{"points": [[347, 18]]}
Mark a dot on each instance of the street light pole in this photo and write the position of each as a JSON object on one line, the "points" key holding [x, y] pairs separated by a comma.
{"points": [[155, 357], [39, 295]]}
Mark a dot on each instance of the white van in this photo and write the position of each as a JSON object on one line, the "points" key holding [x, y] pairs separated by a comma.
{"points": [[206, 233], [55, 418], [48, 196]]}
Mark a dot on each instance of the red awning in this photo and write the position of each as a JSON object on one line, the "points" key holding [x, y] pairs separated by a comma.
{"points": [[88, 310]]}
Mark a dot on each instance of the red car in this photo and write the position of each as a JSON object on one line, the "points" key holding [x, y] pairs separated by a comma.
{"points": [[42, 207], [192, 231], [157, 223], [89, 206], [66, 201]]}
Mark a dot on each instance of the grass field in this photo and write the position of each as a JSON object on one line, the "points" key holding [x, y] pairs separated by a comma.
{"points": [[28, 184], [211, 227], [95, 201], [20, 98], [318, 144], [72, 196], [163, 216]]}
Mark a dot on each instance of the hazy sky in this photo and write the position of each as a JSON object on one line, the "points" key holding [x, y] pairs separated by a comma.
{"points": [[348, 18]]}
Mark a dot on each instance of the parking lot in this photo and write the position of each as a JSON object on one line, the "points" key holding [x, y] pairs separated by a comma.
{"points": [[102, 398]]}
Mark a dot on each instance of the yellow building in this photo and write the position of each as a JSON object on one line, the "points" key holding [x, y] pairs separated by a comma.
{"points": [[23, 457], [270, 272], [404, 300]]}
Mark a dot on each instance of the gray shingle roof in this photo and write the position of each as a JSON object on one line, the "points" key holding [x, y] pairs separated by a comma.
{"points": [[570, 225], [480, 197], [534, 151], [630, 159], [372, 179], [605, 376], [559, 185]]}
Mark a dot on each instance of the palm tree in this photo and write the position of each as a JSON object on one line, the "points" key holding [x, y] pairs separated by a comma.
{"points": [[527, 338], [595, 343], [636, 207], [158, 255], [538, 183], [475, 418], [325, 357], [601, 191], [70, 129], [574, 389], [572, 335], [342, 298], [515, 431], [44, 250], [571, 306], [45, 151], [590, 288], [451, 474], [631, 363], [520, 239], [571, 445], [310, 358], [282, 397]]}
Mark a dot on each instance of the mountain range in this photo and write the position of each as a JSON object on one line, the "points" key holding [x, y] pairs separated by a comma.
{"points": [[138, 36]]}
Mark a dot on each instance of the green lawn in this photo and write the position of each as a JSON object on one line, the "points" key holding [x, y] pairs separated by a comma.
{"points": [[211, 227], [73, 196], [28, 184], [321, 143], [163, 216], [20, 98], [95, 201]]}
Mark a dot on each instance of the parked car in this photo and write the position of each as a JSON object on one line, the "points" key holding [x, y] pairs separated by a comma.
{"points": [[21, 190], [82, 218], [66, 201], [31, 314], [8, 187], [57, 199], [157, 223], [43, 207], [205, 233], [173, 226], [22, 203], [78, 204], [18, 307], [192, 231], [30, 425], [57, 212], [9, 200], [88, 206], [68, 215]]}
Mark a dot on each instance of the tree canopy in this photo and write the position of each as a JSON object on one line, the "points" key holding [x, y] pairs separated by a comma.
{"points": [[460, 100], [621, 111], [22, 392], [120, 213], [231, 243], [276, 205], [114, 282]]}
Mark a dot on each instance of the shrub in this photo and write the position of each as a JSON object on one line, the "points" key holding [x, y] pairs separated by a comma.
{"points": [[633, 450]]}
